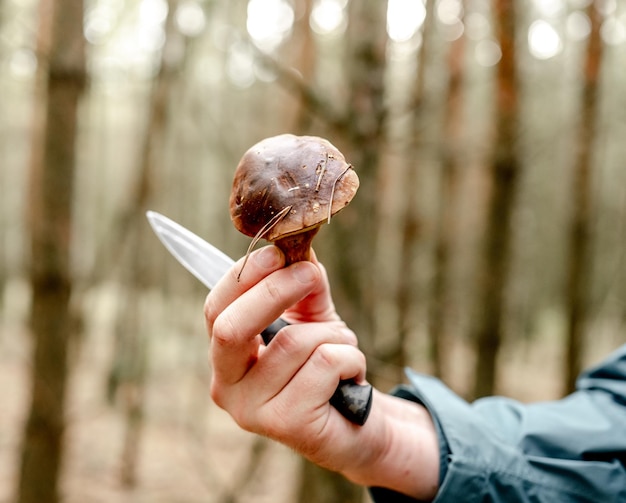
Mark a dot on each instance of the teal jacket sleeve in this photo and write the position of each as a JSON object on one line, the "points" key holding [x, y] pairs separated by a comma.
{"points": [[571, 450]]}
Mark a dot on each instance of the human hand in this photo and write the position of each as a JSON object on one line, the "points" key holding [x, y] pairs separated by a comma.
{"points": [[282, 390], [303, 360]]}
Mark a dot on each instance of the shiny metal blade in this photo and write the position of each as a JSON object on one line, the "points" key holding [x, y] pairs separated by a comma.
{"points": [[200, 258]]}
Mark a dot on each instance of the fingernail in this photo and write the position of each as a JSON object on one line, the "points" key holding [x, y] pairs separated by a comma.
{"points": [[268, 257], [304, 273]]}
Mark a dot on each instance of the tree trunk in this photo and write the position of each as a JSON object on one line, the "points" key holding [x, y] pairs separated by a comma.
{"points": [[504, 171], [410, 227], [578, 273], [320, 485], [448, 189], [131, 357], [304, 54], [128, 376], [51, 179], [363, 135]]}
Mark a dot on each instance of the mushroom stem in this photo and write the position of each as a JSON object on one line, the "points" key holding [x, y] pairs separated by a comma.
{"points": [[297, 247]]}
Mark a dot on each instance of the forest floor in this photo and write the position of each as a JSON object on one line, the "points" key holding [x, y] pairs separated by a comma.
{"points": [[198, 459], [189, 450]]}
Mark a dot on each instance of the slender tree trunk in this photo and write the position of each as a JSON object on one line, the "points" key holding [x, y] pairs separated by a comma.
{"points": [[132, 216], [249, 471], [3, 272], [51, 178], [410, 227], [326, 486], [440, 303], [504, 171], [363, 135], [131, 359], [306, 58], [578, 272]]}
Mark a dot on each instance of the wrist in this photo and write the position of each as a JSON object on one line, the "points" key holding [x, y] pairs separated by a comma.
{"points": [[403, 451]]}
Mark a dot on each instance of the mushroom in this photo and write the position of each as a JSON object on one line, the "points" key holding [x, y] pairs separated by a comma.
{"points": [[285, 187]]}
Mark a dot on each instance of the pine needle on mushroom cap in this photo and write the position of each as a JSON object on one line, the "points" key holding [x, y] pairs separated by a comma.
{"points": [[304, 173]]}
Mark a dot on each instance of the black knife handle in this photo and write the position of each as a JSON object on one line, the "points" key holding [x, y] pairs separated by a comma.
{"points": [[352, 400]]}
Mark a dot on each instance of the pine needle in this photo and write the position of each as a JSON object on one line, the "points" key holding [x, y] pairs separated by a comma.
{"points": [[262, 232], [332, 192]]}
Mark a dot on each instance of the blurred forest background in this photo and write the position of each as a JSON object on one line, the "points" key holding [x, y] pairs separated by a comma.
{"points": [[485, 245]]}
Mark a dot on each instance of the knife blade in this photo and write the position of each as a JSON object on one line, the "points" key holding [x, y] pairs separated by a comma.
{"points": [[208, 264]]}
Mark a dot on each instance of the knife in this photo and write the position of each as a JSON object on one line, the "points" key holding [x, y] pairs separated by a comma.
{"points": [[209, 264]]}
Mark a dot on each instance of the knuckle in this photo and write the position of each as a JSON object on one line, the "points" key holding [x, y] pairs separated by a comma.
{"points": [[217, 394], [362, 358], [324, 356], [241, 410], [348, 336], [211, 311], [246, 417], [276, 421], [270, 423], [223, 331], [286, 340], [272, 291], [356, 357], [330, 357]]}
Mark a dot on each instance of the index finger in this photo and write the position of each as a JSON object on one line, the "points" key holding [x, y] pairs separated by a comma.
{"points": [[237, 281], [236, 340]]}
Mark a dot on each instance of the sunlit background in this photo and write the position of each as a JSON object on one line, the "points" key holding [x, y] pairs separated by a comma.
{"points": [[126, 35]]}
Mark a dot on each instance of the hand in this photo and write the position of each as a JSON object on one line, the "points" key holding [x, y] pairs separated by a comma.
{"points": [[263, 386], [282, 390]]}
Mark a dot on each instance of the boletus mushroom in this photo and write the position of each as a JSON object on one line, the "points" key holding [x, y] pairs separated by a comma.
{"points": [[285, 187]]}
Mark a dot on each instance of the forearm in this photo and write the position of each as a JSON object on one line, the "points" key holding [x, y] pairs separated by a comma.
{"points": [[407, 456]]}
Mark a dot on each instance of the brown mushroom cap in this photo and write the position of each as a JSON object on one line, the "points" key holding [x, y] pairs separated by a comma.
{"points": [[306, 173]]}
